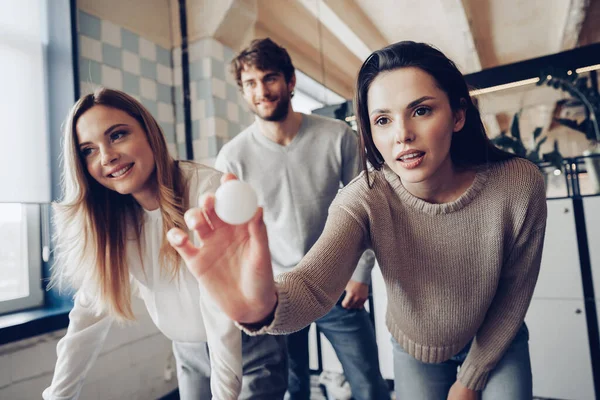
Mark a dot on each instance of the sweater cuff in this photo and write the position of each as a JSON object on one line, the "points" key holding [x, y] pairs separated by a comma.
{"points": [[472, 377], [272, 321]]}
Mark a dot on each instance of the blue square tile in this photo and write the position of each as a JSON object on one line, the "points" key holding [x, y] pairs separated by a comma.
{"points": [[220, 107], [181, 151], [90, 71], [204, 89], [163, 56], [148, 68], [209, 108], [233, 93], [112, 56], [180, 118], [233, 129], [169, 131], [131, 83], [131, 41], [178, 94], [196, 129], [163, 93], [90, 25], [196, 70], [228, 55], [218, 69], [151, 106]]}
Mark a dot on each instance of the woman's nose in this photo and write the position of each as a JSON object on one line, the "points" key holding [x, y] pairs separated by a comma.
{"points": [[109, 156]]}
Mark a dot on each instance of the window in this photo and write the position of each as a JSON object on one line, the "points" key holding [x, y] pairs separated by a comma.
{"points": [[24, 154], [20, 257]]}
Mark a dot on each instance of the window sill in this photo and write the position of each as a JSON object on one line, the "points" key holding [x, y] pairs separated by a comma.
{"points": [[29, 323]]}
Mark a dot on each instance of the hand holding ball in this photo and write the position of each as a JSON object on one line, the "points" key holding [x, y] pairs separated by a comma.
{"points": [[235, 202]]}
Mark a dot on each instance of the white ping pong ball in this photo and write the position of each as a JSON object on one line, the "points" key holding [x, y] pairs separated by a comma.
{"points": [[235, 202]]}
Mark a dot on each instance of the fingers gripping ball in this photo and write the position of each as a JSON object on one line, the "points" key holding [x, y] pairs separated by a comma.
{"points": [[235, 202]]}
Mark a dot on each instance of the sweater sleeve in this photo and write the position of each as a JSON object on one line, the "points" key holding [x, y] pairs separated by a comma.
{"points": [[225, 345], [513, 296], [313, 287], [77, 350]]}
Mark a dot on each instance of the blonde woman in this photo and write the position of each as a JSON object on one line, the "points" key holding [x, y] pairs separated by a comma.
{"points": [[122, 192]]}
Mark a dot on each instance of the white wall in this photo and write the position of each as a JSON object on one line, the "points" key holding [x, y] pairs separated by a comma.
{"points": [[131, 365]]}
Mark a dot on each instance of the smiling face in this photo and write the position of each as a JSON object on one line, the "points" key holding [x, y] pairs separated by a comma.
{"points": [[267, 93], [115, 151], [412, 125]]}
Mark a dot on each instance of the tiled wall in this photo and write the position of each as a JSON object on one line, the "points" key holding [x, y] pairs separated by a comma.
{"points": [[218, 110], [117, 58]]}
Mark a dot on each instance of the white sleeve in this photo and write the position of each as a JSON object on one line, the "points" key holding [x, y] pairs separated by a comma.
{"points": [[77, 350], [225, 346]]}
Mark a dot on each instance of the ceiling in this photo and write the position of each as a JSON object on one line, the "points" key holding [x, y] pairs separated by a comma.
{"points": [[475, 34], [329, 39]]}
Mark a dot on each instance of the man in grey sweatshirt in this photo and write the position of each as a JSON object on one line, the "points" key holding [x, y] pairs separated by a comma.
{"points": [[297, 163]]}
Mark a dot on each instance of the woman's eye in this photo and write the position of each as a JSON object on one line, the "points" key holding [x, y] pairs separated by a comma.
{"points": [[421, 111], [117, 135], [381, 121], [86, 152]]}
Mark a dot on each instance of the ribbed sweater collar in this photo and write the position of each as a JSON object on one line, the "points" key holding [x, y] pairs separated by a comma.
{"points": [[478, 184]]}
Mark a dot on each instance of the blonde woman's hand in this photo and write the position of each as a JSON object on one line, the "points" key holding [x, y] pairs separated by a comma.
{"points": [[233, 262], [458, 391]]}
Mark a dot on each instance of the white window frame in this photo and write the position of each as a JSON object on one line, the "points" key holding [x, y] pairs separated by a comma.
{"points": [[33, 262]]}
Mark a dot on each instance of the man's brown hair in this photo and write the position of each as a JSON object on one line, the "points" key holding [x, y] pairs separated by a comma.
{"points": [[265, 55]]}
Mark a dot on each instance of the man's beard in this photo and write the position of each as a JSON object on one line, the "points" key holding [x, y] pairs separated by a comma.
{"points": [[279, 113]]}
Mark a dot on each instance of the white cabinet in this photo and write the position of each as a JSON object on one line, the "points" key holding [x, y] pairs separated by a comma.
{"points": [[560, 273], [560, 355], [559, 346], [591, 209]]}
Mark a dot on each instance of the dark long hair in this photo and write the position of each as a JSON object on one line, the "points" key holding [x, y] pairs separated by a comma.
{"points": [[469, 147]]}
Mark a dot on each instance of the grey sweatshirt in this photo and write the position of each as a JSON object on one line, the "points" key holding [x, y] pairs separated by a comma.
{"points": [[297, 183]]}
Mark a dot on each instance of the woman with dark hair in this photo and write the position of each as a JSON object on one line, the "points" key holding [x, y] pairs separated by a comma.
{"points": [[458, 245]]}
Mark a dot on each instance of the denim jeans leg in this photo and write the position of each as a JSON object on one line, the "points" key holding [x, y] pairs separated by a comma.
{"points": [[511, 378], [352, 336], [414, 379], [299, 368], [265, 367], [193, 370]]}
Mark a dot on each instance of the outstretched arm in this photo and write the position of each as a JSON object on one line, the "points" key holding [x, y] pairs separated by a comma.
{"points": [[233, 265]]}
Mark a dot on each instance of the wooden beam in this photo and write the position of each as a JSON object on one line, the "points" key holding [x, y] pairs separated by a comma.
{"points": [[356, 19], [576, 15], [309, 65], [314, 49]]}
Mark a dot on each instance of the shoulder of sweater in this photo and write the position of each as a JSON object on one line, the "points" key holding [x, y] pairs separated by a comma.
{"points": [[521, 172], [358, 190]]}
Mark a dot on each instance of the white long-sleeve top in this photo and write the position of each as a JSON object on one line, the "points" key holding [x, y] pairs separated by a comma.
{"points": [[177, 307]]}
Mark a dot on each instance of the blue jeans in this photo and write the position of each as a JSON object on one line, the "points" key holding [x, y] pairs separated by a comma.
{"points": [[352, 336], [510, 379]]}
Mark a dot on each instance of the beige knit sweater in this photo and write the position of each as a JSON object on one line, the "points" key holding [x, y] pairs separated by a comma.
{"points": [[453, 272]]}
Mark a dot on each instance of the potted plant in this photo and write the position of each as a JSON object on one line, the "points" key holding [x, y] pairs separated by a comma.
{"points": [[579, 88], [513, 143]]}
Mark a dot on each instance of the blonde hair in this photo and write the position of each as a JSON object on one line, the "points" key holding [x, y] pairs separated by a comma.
{"points": [[92, 221]]}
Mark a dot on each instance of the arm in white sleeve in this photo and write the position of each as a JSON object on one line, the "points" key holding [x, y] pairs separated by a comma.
{"points": [[362, 273], [77, 350], [225, 346]]}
